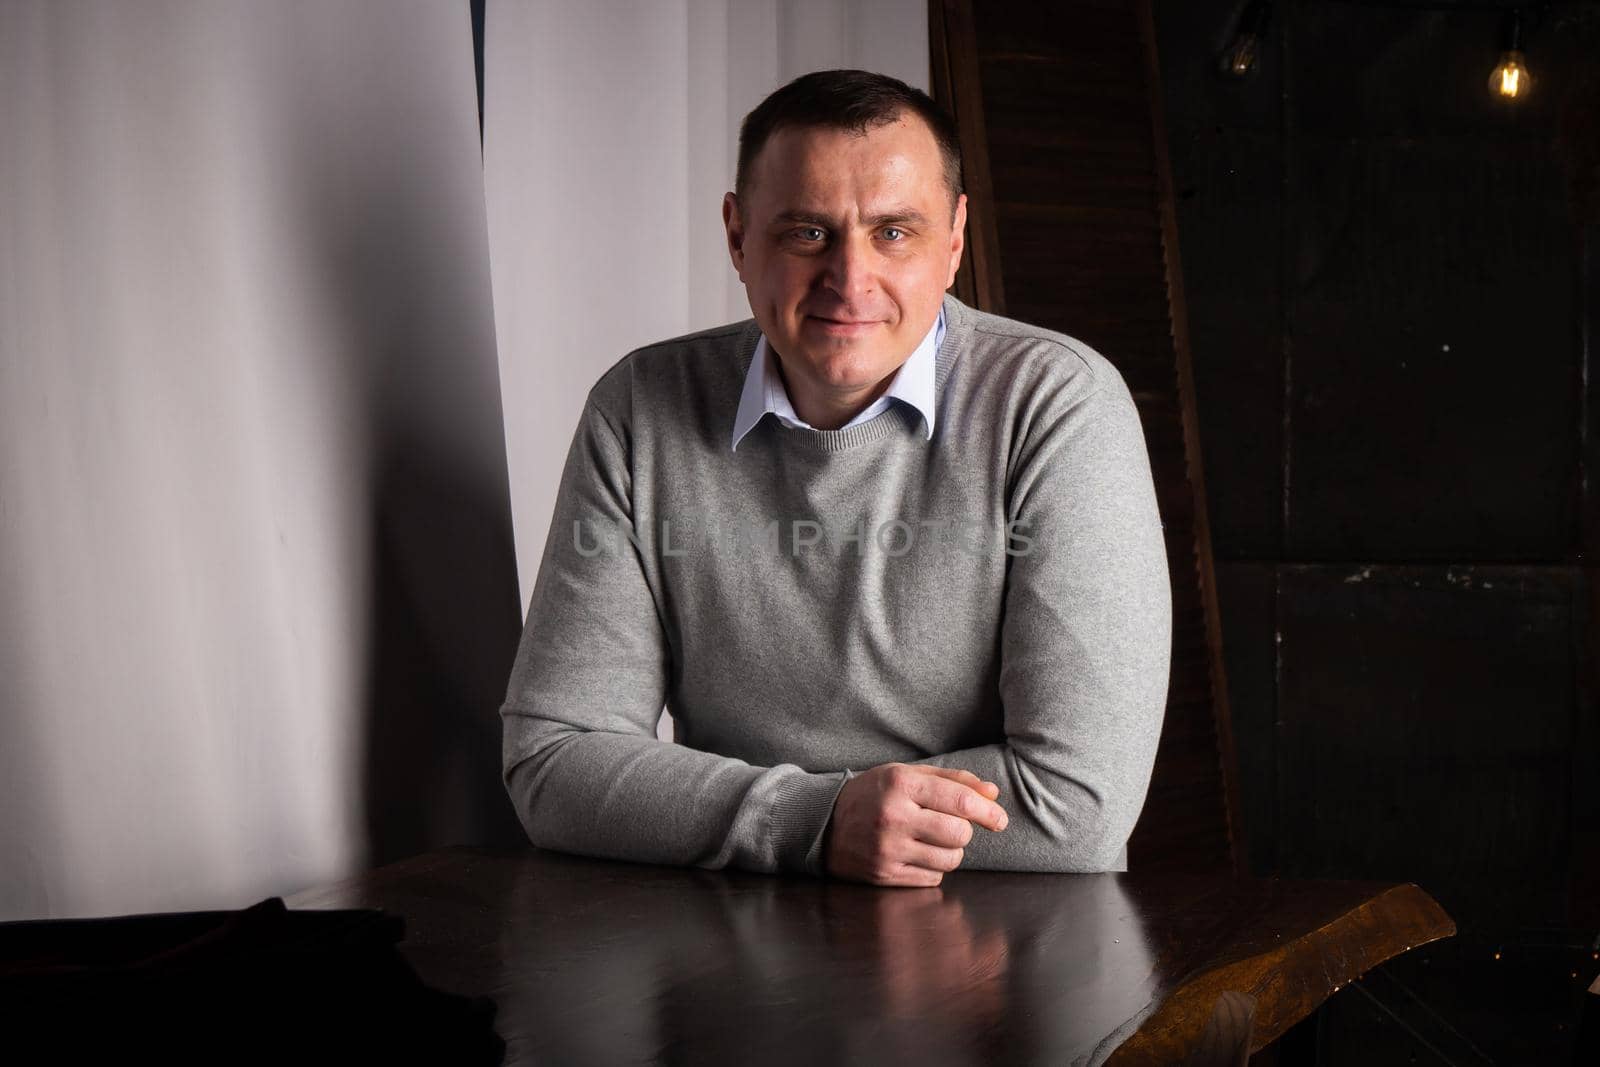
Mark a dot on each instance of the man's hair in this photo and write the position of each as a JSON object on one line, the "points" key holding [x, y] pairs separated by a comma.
{"points": [[856, 100]]}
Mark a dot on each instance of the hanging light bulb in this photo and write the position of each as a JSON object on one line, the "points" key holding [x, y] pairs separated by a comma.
{"points": [[1510, 80], [1239, 58]]}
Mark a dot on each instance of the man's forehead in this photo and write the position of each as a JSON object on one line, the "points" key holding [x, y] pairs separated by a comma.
{"points": [[907, 134], [805, 177]]}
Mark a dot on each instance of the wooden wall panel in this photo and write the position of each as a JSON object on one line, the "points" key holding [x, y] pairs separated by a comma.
{"points": [[1425, 716], [1352, 207], [1435, 356], [1084, 226]]}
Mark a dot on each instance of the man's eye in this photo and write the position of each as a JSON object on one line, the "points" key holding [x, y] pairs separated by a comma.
{"points": [[806, 231], [896, 231]]}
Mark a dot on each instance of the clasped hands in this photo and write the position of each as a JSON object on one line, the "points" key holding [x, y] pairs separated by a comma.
{"points": [[904, 824]]}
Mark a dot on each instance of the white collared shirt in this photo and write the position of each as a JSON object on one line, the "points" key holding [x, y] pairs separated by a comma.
{"points": [[764, 391]]}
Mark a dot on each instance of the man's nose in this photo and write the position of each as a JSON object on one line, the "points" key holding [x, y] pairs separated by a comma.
{"points": [[849, 269]]}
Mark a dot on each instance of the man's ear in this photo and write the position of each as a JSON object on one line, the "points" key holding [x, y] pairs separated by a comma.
{"points": [[958, 239], [734, 225]]}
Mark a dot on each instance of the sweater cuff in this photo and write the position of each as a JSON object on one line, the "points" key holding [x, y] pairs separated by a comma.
{"points": [[800, 812]]}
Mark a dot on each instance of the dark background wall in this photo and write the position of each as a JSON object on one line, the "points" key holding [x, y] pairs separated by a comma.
{"points": [[1392, 326]]}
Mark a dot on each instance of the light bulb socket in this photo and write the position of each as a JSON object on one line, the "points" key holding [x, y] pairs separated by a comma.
{"points": [[1257, 15], [1511, 32]]}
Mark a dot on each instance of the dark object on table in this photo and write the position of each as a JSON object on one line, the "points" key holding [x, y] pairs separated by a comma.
{"points": [[261, 985]]}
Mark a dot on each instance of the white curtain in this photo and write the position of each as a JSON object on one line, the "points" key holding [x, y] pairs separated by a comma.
{"points": [[610, 136], [259, 592], [256, 571]]}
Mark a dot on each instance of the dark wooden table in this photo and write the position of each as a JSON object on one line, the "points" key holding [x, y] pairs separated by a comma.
{"points": [[602, 962]]}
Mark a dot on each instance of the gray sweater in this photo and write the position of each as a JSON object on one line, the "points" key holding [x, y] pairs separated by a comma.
{"points": [[820, 602]]}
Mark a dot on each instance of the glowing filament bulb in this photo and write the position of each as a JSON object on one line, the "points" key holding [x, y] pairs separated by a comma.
{"points": [[1510, 79], [1239, 59]]}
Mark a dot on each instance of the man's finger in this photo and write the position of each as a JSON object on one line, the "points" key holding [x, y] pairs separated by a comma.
{"points": [[932, 857], [942, 829], [957, 773], [957, 798], [988, 789]]}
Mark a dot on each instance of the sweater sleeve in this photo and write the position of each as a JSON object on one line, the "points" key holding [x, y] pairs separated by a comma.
{"points": [[581, 760], [1085, 643]]}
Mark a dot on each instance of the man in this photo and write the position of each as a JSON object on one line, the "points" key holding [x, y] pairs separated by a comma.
{"points": [[917, 618]]}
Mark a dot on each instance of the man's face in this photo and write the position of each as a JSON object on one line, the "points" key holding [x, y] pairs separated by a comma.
{"points": [[845, 248]]}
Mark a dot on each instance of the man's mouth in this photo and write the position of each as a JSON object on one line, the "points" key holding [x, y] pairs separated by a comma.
{"points": [[843, 326]]}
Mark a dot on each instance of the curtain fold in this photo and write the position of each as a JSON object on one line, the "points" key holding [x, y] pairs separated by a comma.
{"points": [[256, 574]]}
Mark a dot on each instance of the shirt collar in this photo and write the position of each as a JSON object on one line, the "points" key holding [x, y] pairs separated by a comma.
{"points": [[764, 392]]}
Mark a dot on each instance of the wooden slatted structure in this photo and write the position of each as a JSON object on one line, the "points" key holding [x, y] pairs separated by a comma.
{"points": [[1072, 227]]}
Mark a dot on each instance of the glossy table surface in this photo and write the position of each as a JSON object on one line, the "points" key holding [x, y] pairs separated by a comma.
{"points": [[602, 962]]}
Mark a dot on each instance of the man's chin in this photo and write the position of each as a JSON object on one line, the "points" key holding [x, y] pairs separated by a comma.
{"points": [[843, 368]]}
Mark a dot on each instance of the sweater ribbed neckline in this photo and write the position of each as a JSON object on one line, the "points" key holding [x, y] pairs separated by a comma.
{"points": [[957, 330]]}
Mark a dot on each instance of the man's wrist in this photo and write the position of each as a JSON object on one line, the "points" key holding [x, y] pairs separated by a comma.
{"points": [[827, 827]]}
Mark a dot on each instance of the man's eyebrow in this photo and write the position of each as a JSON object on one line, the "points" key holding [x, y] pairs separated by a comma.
{"points": [[900, 217]]}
